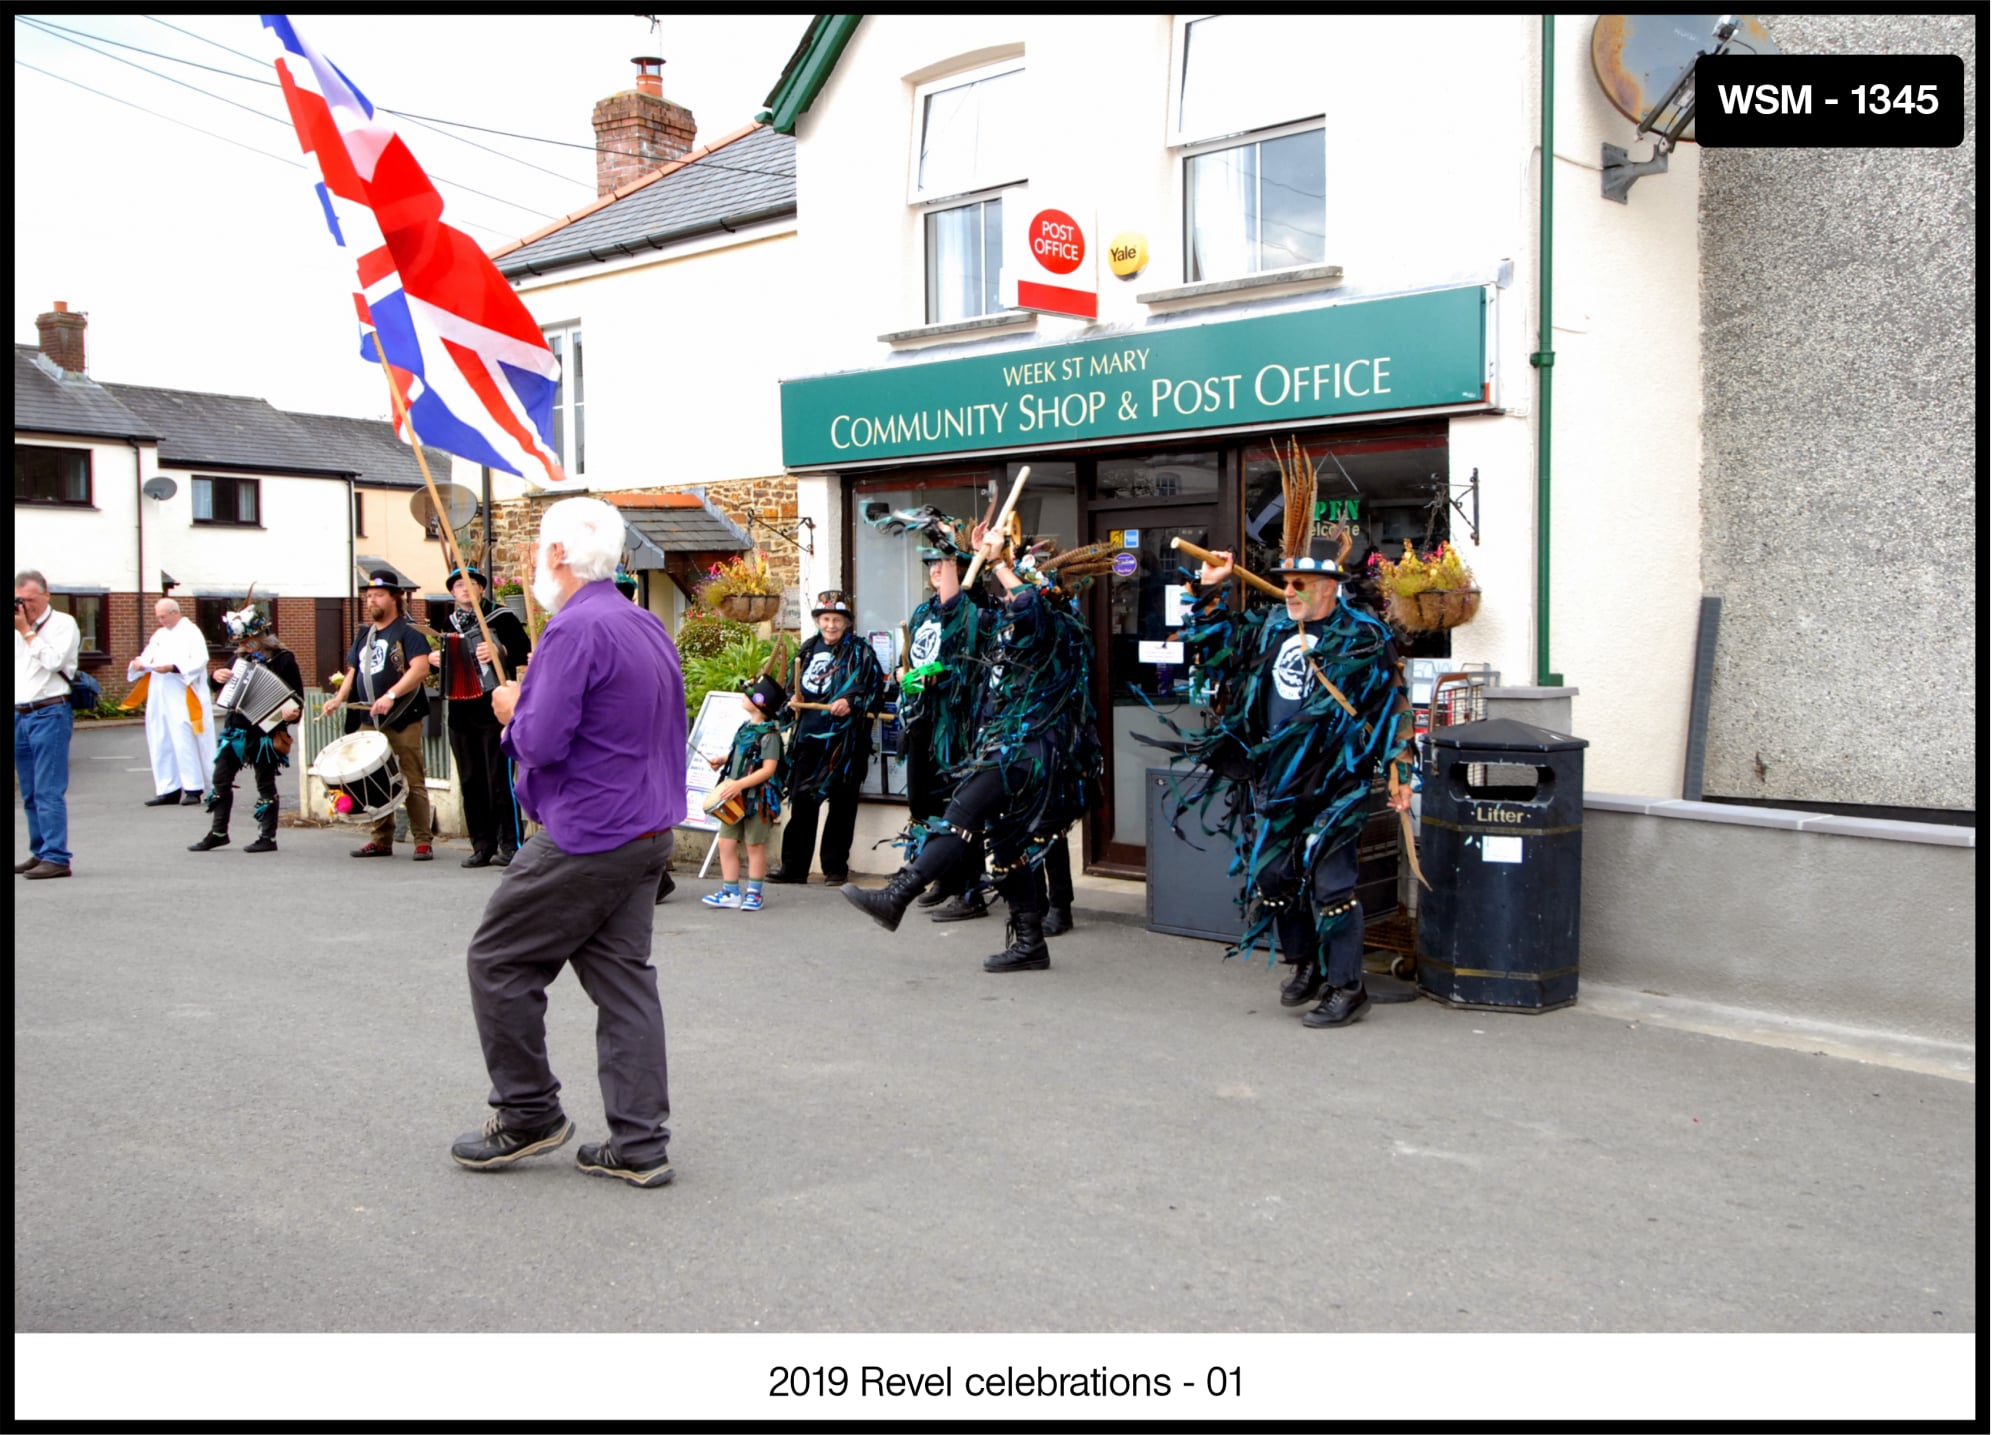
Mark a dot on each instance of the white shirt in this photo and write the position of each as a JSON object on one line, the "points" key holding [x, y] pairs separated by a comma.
{"points": [[42, 665]]}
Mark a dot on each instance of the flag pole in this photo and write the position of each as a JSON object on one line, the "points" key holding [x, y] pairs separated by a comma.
{"points": [[438, 508]]}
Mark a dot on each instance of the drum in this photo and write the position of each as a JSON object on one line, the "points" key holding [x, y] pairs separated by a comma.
{"points": [[724, 807], [361, 768]]}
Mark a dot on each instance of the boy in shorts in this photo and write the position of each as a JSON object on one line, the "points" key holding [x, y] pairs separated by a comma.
{"points": [[754, 768]]}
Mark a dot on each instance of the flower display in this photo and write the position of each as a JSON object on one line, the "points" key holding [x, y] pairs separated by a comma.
{"points": [[1423, 591]]}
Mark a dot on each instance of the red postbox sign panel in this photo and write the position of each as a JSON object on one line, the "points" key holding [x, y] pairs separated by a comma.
{"points": [[1058, 272]]}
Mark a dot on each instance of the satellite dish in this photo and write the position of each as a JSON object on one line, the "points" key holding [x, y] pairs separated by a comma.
{"points": [[161, 487], [1645, 63], [461, 505]]}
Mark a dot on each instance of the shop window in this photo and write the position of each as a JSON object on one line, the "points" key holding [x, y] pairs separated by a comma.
{"points": [[88, 610], [1162, 475], [962, 261], [52, 475], [1256, 207], [566, 343], [227, 502]]}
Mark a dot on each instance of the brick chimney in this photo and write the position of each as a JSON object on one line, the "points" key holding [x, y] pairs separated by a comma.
{"points": [[638, 130], [62, 336]]}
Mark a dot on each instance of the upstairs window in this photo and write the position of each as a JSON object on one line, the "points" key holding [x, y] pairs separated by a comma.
{"points": [[967, 149], [227, 502], [1248, 116], [52, 475], [962, 261], [566, 343]]}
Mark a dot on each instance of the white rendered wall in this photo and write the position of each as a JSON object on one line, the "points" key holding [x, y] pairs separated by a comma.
{"points": [[88, 547], [299, 552]]}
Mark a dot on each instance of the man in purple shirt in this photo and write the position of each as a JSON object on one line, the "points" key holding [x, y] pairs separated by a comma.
{"points": [[597, 727]]}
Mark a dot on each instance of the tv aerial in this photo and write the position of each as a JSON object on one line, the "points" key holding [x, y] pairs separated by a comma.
{"points": [[1645, 65]]}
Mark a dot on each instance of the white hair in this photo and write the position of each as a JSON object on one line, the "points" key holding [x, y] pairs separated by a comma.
{"points": [[168, 604], [592, 534]]}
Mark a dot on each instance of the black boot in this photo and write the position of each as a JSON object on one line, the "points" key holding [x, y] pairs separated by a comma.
{"points": [[1058, 921], [267, 827], [939, 892], [1026, 951], [886, 904], [1305, 984], [210, 842], [1342, 1005]]}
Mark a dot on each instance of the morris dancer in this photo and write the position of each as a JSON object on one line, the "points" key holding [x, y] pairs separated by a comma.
{"points": [[1307, 702], [242, 742], [492, 818], [830, 750], [1037, 757]]}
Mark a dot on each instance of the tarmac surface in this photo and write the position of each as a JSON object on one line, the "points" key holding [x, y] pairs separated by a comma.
{"points": [[237, 1077]]}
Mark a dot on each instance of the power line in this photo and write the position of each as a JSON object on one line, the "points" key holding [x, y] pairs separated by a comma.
{"points": [[157, 115]]}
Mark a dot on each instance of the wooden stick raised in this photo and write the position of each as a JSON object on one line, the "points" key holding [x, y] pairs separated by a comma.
{"points": [[1202, 555], [979, 558], [438, 508]]}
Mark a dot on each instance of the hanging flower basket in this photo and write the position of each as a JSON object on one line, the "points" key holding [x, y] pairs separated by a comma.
{"points": [[1431, 609], [1424, 592], [749, 607]]}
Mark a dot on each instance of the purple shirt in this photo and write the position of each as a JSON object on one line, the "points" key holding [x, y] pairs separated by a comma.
{"points": [[600, 731]]}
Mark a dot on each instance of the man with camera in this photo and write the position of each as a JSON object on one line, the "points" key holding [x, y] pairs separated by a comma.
{"points": [[46, 643]]}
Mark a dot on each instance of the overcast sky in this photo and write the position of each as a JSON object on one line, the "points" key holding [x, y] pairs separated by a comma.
{"points": [[204, 265]]}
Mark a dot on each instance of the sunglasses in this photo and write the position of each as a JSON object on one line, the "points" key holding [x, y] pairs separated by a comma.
{"points": [[1301, 584]]}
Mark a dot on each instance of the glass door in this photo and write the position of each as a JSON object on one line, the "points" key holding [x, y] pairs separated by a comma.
{"points": [[1142, 666]]}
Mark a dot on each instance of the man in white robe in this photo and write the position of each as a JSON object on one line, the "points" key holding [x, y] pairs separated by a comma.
{"points": [[180, 722]]}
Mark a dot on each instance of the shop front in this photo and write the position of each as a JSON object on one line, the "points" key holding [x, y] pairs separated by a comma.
{"points": [[1170, 431]]}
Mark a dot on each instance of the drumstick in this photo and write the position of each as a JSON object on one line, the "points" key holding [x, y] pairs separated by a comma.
{"points": [[1202, 555]]}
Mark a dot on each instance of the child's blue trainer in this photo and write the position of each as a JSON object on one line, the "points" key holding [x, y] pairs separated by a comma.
{"points": [[752, 902], [728, 897]]}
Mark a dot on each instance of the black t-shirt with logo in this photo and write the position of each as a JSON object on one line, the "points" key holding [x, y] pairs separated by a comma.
{"points": [[1285, 693], [380, 658]]}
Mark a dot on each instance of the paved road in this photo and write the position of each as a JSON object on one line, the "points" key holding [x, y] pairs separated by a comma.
{"points": [[236, 1078]]}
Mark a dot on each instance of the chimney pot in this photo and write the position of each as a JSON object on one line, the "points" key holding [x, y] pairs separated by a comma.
{"points": [[649, 74]]}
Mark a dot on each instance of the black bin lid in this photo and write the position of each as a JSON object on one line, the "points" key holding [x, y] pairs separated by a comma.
{"points": [[1505, 735]]}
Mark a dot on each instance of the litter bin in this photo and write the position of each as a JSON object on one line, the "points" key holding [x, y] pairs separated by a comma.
{"points": [[1503, 854]]}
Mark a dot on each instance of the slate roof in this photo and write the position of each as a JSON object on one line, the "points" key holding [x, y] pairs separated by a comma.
{"points": [[46, 400], [739, 180], [371, 450], [699, 529], [223, 431]]}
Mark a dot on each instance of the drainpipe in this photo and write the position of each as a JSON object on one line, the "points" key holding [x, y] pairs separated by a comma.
{"points": [[1544, 360], [139, 527]]}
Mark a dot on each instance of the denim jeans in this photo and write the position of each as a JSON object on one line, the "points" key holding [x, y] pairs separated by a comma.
{"points": [[41, 761]]}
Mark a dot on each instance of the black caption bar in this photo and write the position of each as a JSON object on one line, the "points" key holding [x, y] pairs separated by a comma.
{"points": [[1830, 101]]}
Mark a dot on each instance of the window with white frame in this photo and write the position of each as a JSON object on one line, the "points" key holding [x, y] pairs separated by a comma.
{"points": [[1253, 168], [966, 148], [566, 343]]}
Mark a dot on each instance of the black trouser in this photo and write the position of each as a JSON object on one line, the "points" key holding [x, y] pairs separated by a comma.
{"points": [[1333, 878], [1058, 885], [593, 911], [947, 856], [802, 822], [930, 793], [492, 820], [223, 796]]}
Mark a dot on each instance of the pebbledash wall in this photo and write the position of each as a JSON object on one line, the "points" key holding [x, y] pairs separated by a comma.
{"points": [[1839, 423]]}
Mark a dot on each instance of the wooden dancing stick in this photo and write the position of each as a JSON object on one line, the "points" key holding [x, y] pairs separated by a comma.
{"points": [[438, 508], [1006, 512], [1202, 555]]}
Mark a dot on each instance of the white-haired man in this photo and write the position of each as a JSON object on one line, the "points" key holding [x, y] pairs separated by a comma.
{"points": [[597, 729], [180, 721]]}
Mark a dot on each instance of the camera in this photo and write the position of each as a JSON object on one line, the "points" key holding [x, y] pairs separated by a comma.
{"points": [[19, 604]]}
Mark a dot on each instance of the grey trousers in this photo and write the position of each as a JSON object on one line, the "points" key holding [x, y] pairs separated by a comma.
{"points": [[594, 911]]}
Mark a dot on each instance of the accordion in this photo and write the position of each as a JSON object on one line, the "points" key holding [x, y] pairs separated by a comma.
{"points": [[256, 693]]}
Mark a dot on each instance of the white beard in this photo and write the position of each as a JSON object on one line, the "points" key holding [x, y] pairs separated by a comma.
{"points": [[548, 592]]}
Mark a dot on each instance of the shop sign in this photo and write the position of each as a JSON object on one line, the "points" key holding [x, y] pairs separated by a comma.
{"points": [[1412, 351], [1059, 272], [1127, 253]]}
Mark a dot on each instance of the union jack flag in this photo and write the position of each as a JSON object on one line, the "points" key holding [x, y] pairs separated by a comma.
{"points": [[470, 360]]}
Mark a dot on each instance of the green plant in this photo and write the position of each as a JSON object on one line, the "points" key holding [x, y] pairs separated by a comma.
{"points": [[107, 707], [508, 590], [1441, 570], [746, 573], [703, 635], [729, 669]]}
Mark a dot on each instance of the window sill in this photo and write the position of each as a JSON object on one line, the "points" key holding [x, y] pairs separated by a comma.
{"points": [[984, 324], [1315, 276], [54, 503], [219, 523]]}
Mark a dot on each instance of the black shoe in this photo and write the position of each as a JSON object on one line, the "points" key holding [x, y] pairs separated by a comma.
{"points": [[1057, 922], [498, 1145], [1305, 984], [782, 878], [600, 1161], [1026, 951], [1342, 1005], [191, 797], [666, 888], [886, 904], [165, 799], [504, 857], [834, 879], [210, 842], [938, 893], [480, 858], [263, 844], [961, 909]]}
